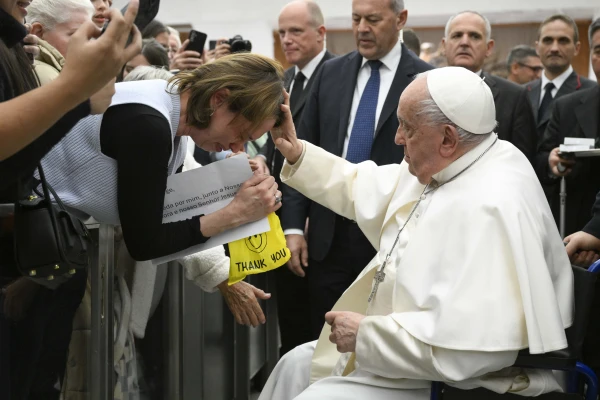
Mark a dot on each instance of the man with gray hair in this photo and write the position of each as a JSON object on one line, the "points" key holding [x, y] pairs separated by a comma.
{"points": [[523, 64], [468, 43], [469, 267], [349, 112], [53, 22]]}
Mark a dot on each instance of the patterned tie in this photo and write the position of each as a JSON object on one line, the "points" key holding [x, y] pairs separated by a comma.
{"points": [[546, 101], [297, 89], [363, 130]]}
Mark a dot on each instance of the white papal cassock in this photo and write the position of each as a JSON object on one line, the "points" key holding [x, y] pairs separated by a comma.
{"points": [[480, 272]]}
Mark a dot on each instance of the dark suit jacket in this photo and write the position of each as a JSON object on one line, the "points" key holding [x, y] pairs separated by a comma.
{"points": [[573, 115], [573, 83], [593, 227], [325, 123], [514, 115], [273, 156]]}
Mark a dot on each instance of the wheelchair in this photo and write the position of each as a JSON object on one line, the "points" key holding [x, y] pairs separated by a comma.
{"points": [[582, 383]]}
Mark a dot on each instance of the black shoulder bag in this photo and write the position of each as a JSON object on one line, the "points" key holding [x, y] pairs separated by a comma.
{"points": [[51, 245]]}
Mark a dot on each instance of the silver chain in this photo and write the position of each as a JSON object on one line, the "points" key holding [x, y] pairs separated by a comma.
{"points": [[421, 197]]}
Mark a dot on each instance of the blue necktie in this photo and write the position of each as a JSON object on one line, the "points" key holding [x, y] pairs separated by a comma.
{"points": [[363, 130]]}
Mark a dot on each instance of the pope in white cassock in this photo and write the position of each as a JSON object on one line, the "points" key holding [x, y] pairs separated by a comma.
{"points": [[470, 267]]}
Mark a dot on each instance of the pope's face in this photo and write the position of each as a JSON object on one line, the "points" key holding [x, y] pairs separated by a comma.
{"points": [[421, 142]]}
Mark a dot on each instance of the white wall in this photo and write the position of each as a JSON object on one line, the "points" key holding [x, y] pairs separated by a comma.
{"points": [[256, 19]]}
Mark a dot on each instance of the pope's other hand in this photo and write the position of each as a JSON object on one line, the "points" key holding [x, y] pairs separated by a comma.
{"points": [[344, 329]]}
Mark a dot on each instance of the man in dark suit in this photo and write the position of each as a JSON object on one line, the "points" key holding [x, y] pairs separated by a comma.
{"points": [[557, 44], [467, 44], [350, 112], [302, 34], [574, 115]]}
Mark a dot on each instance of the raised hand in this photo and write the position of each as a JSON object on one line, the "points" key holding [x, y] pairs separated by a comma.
{"points": [[284, 136]]}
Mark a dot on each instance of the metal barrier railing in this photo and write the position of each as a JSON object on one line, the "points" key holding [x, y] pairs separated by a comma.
{"points": [[244, 362], [101, 366]]}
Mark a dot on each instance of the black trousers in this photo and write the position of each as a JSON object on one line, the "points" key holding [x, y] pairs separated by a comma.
{"points": [[293, 308], [39, 343], [349, 254]]}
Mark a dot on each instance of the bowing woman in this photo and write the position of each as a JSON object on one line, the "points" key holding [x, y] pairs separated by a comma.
{"points": [[115, 167]]}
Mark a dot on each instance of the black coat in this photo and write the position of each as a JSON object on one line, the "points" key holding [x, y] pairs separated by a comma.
{"points": [[325, 123], [514, 115], [573, 83], [273, 156], [574, 115]]}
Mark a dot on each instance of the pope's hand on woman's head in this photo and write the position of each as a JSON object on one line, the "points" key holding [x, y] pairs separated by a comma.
{"points": [[284, 136], [256, 198]]}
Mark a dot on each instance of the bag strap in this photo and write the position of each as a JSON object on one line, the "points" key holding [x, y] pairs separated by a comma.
{"points": [[49, 206], [47, 188]]}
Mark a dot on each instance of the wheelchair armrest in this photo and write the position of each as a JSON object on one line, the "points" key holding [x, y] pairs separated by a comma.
{"points": [[560, 359]]}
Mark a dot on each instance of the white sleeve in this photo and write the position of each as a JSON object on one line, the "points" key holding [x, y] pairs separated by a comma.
{"points": [[386, 349], [360, 192], [207, 268]]}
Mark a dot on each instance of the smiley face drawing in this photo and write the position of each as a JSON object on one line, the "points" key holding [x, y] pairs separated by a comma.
{"points": [[256, 243]]}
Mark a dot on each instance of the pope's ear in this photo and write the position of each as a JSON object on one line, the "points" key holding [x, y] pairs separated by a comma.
{"points": [[450, 141]]}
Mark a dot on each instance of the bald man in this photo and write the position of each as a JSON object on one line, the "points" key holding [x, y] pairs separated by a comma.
{"points": [[302, 34]]}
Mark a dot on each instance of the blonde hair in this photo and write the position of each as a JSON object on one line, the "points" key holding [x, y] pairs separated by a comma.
{"points": [[254, 82]]}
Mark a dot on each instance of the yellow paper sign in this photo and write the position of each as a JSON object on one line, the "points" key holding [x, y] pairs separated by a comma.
{"points": [[258, 253]]}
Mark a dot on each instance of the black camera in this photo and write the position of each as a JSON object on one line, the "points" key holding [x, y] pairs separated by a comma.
{"points": [[238, 44]]}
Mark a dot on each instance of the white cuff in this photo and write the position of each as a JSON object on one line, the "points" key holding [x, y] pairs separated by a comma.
{"points": [[293, 231]]}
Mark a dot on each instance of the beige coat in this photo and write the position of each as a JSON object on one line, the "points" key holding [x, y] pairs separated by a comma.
{"points": [[49, 63]]}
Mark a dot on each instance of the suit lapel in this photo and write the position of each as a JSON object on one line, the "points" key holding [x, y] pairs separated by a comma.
{"points": [[302, 99], [491, 82], [535, 91], [404, 76], [346, 94], [587, 113], [569, 86]]}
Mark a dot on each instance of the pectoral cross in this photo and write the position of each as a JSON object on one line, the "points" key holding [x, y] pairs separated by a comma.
{"points": [[377, 279]]}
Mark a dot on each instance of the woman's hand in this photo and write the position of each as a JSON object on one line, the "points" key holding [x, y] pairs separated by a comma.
{"points": [[284, 136], [257, 164], [257, 198], [30, 44], [241, 298]]}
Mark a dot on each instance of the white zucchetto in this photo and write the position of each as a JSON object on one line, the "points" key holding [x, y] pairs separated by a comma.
{"points": [[464, 98]]}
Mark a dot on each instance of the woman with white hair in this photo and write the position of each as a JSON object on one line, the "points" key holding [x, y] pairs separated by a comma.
{"points": [[54, 22]]}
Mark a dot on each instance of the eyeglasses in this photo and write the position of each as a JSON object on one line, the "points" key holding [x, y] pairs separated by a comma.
{"points": [[536, 69]]}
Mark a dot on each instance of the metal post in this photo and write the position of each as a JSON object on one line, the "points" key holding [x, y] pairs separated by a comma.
{"points": [[174, 329], [563, 205], [241, 361], [272, 335], [101, 371]]}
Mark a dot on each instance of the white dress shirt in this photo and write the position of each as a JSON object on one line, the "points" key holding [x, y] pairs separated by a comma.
{"points": [[386, 72], [558, 82], [308, 70]]}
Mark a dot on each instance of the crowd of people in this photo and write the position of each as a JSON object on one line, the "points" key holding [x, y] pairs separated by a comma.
{"points": [[421, 193]]}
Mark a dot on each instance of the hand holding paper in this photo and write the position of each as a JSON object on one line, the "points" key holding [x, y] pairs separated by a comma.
{"points": [[285, 137]]}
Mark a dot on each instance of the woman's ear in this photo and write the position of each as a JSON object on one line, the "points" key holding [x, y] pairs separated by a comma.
{"points": [[219, 98]]}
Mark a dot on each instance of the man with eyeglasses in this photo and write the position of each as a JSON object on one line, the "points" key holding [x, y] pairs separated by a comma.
{"points": [[524, 65], [557, 45]]}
